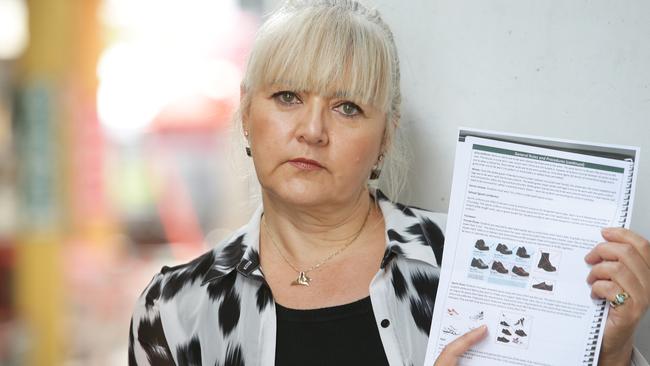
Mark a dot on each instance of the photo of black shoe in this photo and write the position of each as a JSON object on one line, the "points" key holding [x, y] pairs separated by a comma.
{"points": [[498, 266], [543, 286], [545, 263], [501, 248], [506, 332], [478, 316], [480, 245], [519, 271], [521, 253], [478, 263], [503, 339], [503, 322], [520, 322], [520, 332]]}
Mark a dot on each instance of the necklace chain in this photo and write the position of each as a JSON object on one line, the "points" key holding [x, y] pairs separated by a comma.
{"points": [[302, 274]]}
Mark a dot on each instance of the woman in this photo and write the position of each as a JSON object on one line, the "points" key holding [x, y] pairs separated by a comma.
{"points": [[329, 271]]}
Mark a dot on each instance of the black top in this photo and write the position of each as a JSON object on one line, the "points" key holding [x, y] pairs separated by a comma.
{"points": [[340, 335]]}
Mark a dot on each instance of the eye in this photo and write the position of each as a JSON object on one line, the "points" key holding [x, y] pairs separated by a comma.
{"points": [[349, 109], [286, 97]]}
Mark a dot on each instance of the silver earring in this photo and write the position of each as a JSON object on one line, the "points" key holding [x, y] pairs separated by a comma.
{"points": [[248, 148]]}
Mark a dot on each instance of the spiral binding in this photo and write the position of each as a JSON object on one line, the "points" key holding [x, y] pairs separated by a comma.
{"points": [[625, 203], [594, 332], [596, 327]]}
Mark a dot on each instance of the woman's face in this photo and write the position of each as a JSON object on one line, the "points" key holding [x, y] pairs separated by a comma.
{"points": [[311, 149]]}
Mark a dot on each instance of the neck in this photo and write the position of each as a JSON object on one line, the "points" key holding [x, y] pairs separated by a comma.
{"points": [[308, 234]]}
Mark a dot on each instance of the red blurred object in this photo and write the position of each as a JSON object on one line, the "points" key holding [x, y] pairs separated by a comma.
{"points": [[195, 113]]}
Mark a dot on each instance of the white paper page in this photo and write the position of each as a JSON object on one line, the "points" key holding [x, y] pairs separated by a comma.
{"points": [[546, 207]]}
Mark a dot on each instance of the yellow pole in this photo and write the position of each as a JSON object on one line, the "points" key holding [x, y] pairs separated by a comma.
{"points": [[57, 67]]}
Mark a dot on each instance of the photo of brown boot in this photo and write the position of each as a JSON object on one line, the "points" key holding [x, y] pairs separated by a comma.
{"points": [[545, 263]]}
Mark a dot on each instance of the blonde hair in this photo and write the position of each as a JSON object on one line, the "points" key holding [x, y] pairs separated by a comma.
{"points": [[329, 47]]}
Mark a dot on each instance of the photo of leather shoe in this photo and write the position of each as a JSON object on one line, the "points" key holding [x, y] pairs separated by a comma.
{"points": [[478, 263], [498, 266], [543, 286], [519, 271], [522, 253], [503, 249], [506, 332], [503, 322], [480, 245], [503, 339], [520, 332], [545, 263]]}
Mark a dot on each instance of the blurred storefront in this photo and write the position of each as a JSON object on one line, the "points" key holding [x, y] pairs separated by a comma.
{"points": [[115, 158]]}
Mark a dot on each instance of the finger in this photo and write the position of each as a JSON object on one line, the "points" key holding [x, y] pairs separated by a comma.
{"points": [[623, 278], [633, 308], [603, 289], [622, 235], [460, 345], [626, 254]]}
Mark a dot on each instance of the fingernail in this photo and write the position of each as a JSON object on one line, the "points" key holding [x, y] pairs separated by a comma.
{"points": [[606, 231]]}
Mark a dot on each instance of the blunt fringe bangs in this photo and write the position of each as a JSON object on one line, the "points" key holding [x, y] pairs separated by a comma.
{"points": [[327, 47]]}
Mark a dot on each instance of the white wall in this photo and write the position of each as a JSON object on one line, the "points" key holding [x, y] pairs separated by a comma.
{"points": [[573, 69], [570, 69]]}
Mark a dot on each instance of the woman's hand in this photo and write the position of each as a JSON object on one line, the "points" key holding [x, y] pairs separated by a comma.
{"points": [[620, 265], [455, 349]]}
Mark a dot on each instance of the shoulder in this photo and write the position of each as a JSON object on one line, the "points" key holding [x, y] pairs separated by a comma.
{"points": [[167, 284], [408, 224], [167, 307]]}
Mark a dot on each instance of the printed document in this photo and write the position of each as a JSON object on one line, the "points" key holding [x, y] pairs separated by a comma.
{"points": [[524, 211]]}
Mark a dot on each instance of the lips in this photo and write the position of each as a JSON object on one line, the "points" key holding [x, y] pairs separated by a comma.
{"points": [[305, 164]]}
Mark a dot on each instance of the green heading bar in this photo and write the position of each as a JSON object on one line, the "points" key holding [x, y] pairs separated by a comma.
{"points": [[550, 159]]}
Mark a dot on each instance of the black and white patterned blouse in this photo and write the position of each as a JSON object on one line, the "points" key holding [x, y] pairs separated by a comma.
{"points": [[217, 309]]}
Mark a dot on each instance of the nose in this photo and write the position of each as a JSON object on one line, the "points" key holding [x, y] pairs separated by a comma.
{"points": [[312, 127]]}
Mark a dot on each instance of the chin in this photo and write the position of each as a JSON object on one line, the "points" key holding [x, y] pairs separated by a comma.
{"points": [[303, 193]]}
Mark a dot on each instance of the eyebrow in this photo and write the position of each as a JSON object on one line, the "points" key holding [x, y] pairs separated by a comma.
{"points": [[341, 94]]}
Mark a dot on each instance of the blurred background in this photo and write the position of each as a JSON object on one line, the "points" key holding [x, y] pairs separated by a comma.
{"points": [[114, 160], [115, 154]]}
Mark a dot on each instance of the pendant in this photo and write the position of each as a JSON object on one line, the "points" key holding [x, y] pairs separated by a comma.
{"points": [[302, 280]]}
